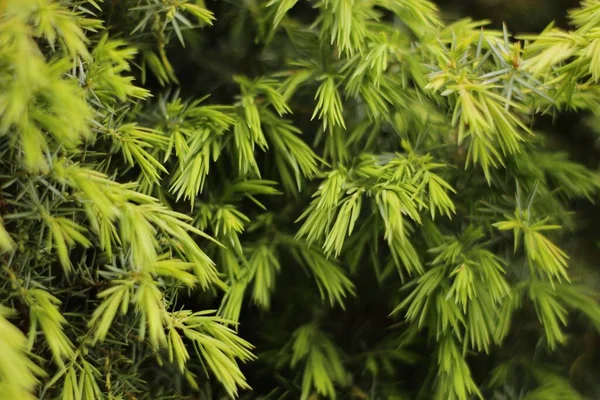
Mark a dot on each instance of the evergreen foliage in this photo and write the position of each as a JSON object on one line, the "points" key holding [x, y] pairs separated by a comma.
{"points": [[291, 199]]}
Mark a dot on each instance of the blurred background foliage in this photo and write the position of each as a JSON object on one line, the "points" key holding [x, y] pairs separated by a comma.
{"points": [[520, 15]]}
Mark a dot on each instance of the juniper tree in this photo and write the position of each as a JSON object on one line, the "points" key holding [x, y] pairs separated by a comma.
{"points": [[290, 199]]}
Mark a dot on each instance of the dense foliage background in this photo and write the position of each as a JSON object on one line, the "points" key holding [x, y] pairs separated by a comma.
{"points": [[282, 199]]}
